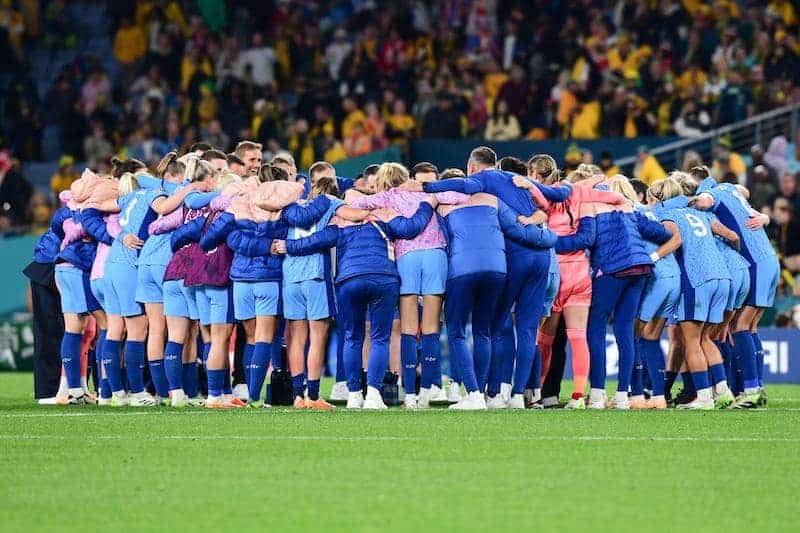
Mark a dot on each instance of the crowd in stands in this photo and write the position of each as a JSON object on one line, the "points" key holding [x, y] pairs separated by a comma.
{"points": [[331, 80]]}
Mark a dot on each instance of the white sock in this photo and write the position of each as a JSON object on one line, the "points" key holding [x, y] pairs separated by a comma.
{"points": [[84, 383], [177, 394], [63, 389], [622, 397], [721, 387], [475, 396], [140, 395], [76, 393], [704, 394], [120, 393], [597, 395], [373, 393], [537, 395]]}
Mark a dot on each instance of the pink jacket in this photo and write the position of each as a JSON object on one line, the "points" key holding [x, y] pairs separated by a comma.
{"points": [[99, 265], [406, 203]]}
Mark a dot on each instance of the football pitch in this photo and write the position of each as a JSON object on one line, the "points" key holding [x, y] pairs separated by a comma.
{"points": [[85, 468]]}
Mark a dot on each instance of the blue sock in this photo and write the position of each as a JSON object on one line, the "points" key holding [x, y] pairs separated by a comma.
{"points": [[262, 352], [745, 352], [247, 359], [313, 389], [134, 365], [637, 376], [98, 357], [173, 365], [700, 380], [206, 351], [688, 383], [276, 355], [717, 373], [71, 358], [436, 368], [189, 379], [408, 357], [159, 377], [656, 364], [298, 385], [759, 358], [111, 364], [105, 389], [216, 381], [226, 383], [429, 344]]}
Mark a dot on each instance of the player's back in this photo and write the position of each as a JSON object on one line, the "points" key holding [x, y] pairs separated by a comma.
{"points": [[733, 210]]}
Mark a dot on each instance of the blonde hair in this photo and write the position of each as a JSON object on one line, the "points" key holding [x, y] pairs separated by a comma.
{"points": [[621, 185], [198, 169], [170, 163], [226, 178], [544, 166], [324, 185], [390, 175], [592, 170], [452, 173], [128, 183], [579, 174], [663, 190], [685, 180]]}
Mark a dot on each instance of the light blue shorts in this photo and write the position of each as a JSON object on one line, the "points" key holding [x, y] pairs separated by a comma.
{"points": [[763, 282], [259, 298], [76, 291], [705, 303], [98, 287], [550, 293], [306, 300], [121, 291], [660, 298], [175, 303], [423, 272], [149, 284], [740, 288], [190, 295], [214, 305]]}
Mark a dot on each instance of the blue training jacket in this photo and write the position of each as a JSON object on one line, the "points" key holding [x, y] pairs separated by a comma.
{"points": [[49, 244], [619, 244], [365, 248]]}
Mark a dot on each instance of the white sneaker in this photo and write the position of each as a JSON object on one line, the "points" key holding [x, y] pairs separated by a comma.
{"points": [[473, 402], [197, 401], [698, 405], [373, 400], [505, 391], [46, 401], [454, 392], [411, 402], [496, 402], [517, 401], [355, 400], [339, 392], [178, 398], [241, 392], [438, 395], [550, 401], [597, 400], [424, 398], [142, 399], [624, 405], [576, 404], [103, 401]]}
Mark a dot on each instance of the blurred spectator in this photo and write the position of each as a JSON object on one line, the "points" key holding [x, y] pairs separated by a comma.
{"points": [[214, 135], [606, 164], [757, 158], [358, 141], [776, 155], [647, 168], [762, 189], [400, 125], [41, 211], [64, 177], [691, 122], [15, 193], [96, 147], [336, 52], [442, 121], [788, 190], [375, 126], [726, 160], [786, 234], [96, 91], [502, 125], [130, 45], [257, 63]]}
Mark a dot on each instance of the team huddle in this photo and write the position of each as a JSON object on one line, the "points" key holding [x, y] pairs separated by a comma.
{"points": [[178, 264]]}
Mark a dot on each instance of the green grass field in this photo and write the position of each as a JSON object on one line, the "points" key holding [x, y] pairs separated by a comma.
{"points": [[86, 468]]}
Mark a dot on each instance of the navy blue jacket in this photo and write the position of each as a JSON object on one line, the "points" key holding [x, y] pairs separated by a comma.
{"points": [[187, 233], [251, 241], [581, 240], [49, 244], [363, 249], [94, 224], [80, 253], [620, 241]]}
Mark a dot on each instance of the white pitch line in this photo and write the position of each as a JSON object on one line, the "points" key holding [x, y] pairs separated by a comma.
{"points": [[392, 438]]}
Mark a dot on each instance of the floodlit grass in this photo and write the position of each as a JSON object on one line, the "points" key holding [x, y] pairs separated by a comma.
{"points": [[86, 468]]}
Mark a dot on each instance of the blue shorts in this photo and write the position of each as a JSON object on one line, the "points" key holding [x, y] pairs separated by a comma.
{"points": [[215, 305], [423, 272], [258, 298], [190, 295], [76, 291], [740, 288], [306, 300], [660, 298], [763, 282], [149, 284], [98, 287], [550, 293], [121, 291], [705, 303], [175, 303]]}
